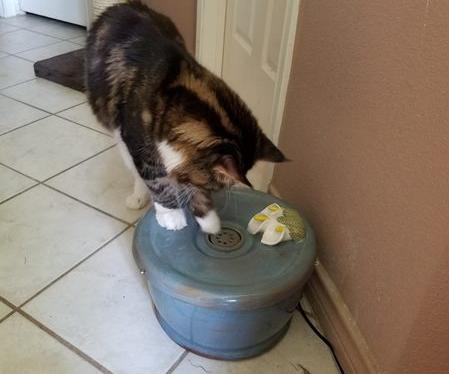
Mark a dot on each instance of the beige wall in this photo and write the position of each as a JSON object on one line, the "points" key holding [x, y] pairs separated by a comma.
{"points": [[183, 14], [366, 124]]}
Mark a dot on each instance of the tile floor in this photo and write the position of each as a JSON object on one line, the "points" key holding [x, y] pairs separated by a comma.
{"points": [[71, 297]]}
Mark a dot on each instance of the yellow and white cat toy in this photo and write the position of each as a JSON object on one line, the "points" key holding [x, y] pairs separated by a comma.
{"points": [[277, 224]]}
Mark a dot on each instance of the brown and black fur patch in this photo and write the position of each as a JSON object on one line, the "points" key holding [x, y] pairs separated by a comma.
{"points": [[142, 81]]}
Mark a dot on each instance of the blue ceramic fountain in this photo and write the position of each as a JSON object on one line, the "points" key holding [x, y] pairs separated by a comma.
{"points": [[224, 296]]}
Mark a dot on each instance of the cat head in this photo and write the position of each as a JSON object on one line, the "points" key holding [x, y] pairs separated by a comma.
{"points": [[234, 162], [212, 162], [216, 132]]}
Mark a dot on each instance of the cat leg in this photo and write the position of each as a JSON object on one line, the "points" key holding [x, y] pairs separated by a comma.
{"points": [[167, 202], [141, 194], [170, 218], [206, 216]]}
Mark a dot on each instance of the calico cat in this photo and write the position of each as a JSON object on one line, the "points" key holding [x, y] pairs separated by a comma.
{"points": [[182, 131]]}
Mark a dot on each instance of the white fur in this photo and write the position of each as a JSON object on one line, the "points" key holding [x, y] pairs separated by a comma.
{"points": [[170, 156], [141, 195], [210, 223], [171, 219]]}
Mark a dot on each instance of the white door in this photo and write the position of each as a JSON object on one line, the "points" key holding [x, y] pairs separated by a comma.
{"points": [[73, 11], [259, 36]]}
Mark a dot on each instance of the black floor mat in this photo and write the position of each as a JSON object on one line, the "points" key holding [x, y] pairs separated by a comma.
{"points": [[66, 69]]}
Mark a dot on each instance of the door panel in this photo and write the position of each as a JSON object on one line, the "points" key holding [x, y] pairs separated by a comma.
{"points": [[255, 41], [243, 27]]}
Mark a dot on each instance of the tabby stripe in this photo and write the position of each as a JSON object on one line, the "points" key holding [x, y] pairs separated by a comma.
{"points": [[199, 109]]}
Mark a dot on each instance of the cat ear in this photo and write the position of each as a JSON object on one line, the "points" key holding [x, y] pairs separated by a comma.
{"points": [[228, 166], [267, 151]]}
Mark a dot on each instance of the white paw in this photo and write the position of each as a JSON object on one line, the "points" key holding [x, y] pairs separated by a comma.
{"points": [[171, 219], [210, 223], [137, 201]]}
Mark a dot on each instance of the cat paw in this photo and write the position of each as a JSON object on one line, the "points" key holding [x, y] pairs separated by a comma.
{"points": [[136, 201], [210, 223], [171, 219]]}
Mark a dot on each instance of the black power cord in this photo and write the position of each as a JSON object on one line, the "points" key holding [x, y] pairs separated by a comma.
{"points": [[321, 336]]}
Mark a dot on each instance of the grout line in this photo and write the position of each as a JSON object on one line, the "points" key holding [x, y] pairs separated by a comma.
{"points": [[88, 205], [10, 31], [30, 49], [11, 168], [28, 60], [87, 127], [82, 46], [62, 171], [26, 124], [18, 193], [43, 183], [23, 102], [76, 37], [64, 342], [8, 303], [74, 267], [52, 36], [56, 114], [177, 362], [42, 110], [70, 107], [45, 58], [27, 28], [35, 107], [15, 84], [43, 34], [8, 315], [79, 163], [23, 58]]}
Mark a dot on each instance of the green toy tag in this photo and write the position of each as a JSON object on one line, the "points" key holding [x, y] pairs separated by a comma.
{"points": [[294, 223]]}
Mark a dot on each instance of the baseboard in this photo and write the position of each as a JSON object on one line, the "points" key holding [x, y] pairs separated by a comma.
{"points": [[339, 325], [337, 321]]}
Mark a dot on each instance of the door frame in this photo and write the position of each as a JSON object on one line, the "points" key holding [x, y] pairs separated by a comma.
{"points": [[210, 36], [9, 8]]}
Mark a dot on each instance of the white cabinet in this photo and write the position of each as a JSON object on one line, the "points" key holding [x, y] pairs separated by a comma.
{"points": [[73, 11]]}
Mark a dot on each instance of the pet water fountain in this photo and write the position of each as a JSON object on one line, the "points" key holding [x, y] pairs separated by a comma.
{"points": [[225, 296]]}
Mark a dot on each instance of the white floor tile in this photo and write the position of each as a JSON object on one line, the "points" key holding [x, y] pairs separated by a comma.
{"points": [[14, 114], [103, 182], [14, 70], [44, 233], [300, 351], [4, 310], [4, 27], [58, 29], [52, 50], [26, 349], [45, 95], [81, 41], [21, 40], [12, 183], [103, 308], [83, 115], [49, 146], [26, 20]]}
